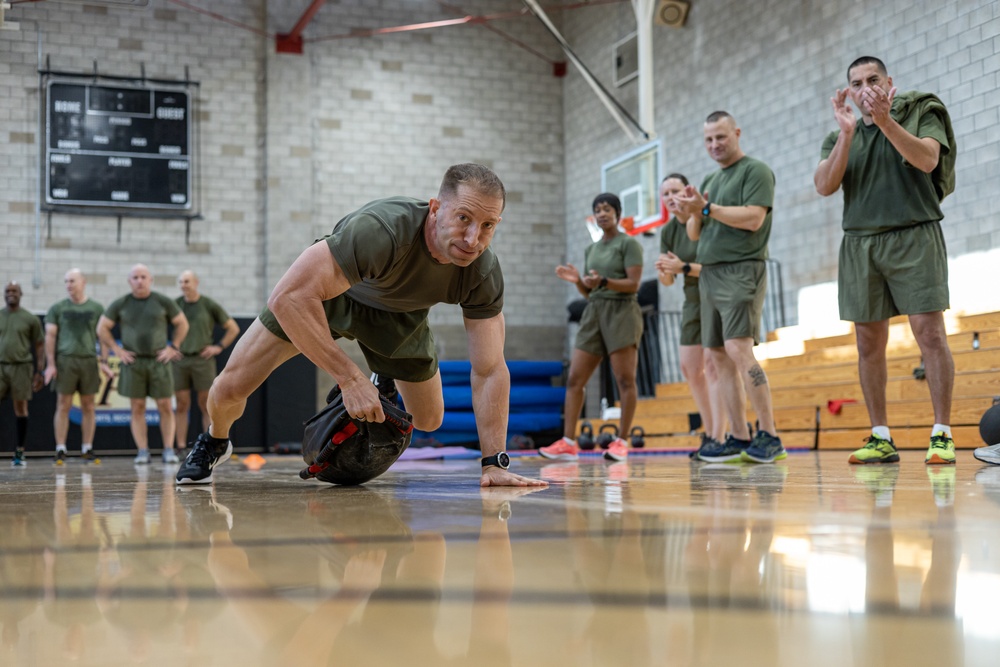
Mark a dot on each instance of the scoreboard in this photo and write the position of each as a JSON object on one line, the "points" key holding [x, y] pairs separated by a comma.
{"points": [[117, 147]]}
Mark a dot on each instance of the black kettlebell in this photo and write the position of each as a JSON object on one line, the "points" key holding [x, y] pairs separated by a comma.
{"points": [[637, 436], [607, 435], [586, 438]]}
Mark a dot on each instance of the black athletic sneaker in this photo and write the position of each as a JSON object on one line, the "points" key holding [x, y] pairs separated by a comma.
{"points": [[60, 457], [201, 461]]}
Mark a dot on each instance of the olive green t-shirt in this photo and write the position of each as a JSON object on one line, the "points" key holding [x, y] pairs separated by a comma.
{"points": [[674, 238], [610, 259], [381, 249], [77, 322], [202, 316], [143, 322], [20, 332], [881, 190], [747, 182]]}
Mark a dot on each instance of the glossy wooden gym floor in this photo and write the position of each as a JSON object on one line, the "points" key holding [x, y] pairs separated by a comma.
{"points": [[657, 561]]}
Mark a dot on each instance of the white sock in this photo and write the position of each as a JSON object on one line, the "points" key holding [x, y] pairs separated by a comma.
{"points": [[882, 432], [61, 448], [570, 441], [941, 428], [86, 447]]}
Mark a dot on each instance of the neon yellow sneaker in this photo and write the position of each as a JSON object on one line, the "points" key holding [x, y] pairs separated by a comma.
{"points": [[942, 449], [876, 450]]}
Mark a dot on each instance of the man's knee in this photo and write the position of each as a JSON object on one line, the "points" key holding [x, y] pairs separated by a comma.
{"points": [[428, 420], [183, 400], [226, 390], [929, 331]]}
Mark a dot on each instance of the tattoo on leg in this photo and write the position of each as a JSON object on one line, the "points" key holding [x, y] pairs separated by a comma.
{"points": [[757, 376]]}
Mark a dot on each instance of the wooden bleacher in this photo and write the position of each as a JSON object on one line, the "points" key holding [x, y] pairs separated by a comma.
{"points": [[806, 375]]}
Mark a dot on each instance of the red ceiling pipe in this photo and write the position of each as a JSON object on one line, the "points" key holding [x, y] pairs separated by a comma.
{"points": [[292, 41]]}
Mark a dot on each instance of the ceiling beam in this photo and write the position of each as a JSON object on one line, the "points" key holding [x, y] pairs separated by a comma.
{"points": [[292, 42]]}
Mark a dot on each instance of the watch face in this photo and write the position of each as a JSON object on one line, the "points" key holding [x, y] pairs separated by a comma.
{"points": [[503, 460]]}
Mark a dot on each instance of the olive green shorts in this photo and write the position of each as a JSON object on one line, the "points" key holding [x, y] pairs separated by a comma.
{"points": [[145, 377], [899, 272], [193, 372], [396, 345], [15, 381], [732, 301], [691, 316], [77, 374], [609, 325]]}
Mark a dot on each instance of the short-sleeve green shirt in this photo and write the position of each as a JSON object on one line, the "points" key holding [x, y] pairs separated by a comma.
{"points": [[381, 249], [77, 323], [747, 182], [20, 332], [143, 322], [881, 190], [674, 238], [610, 259], [202, 316]]}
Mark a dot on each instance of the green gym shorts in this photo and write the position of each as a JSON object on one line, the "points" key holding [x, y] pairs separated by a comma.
{"points": [[899, 272], [193, 372], [396, 345], [609, 325], [732, 301], [145, 377], [77, 374], [15, 381]]}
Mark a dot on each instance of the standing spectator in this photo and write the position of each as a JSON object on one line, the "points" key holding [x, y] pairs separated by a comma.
{"points": [[677, 258], [196, 369], [730, 216], [611, 325], [143, 317], [71, 360], [20, 337], [895, 166]]}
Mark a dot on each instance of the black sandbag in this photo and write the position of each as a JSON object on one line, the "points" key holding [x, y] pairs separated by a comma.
{"points": [[346, 451]]}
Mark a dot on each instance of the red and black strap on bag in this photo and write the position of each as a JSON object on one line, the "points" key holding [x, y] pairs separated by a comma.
{"points": [[342, 450]]}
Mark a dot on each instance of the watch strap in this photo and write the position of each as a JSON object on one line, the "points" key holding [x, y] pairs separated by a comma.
{"points": [[495, 460]]}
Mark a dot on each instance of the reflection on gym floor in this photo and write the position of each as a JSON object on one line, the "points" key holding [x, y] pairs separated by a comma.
{"points": [[651, 562]]}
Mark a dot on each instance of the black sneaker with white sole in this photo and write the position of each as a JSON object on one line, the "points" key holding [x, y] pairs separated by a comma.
{"points": [[206, 453]]}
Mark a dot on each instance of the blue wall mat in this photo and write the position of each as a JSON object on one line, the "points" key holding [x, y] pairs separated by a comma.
{"points": [[540, 372], [521, 397]]}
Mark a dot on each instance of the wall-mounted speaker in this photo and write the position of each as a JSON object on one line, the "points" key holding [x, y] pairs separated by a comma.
{"points": [[671, 13]]}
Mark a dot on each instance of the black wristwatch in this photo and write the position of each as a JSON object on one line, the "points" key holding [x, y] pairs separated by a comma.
{"points": [[707, 211], [604, 282], [500, 460], [686, 269]]}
